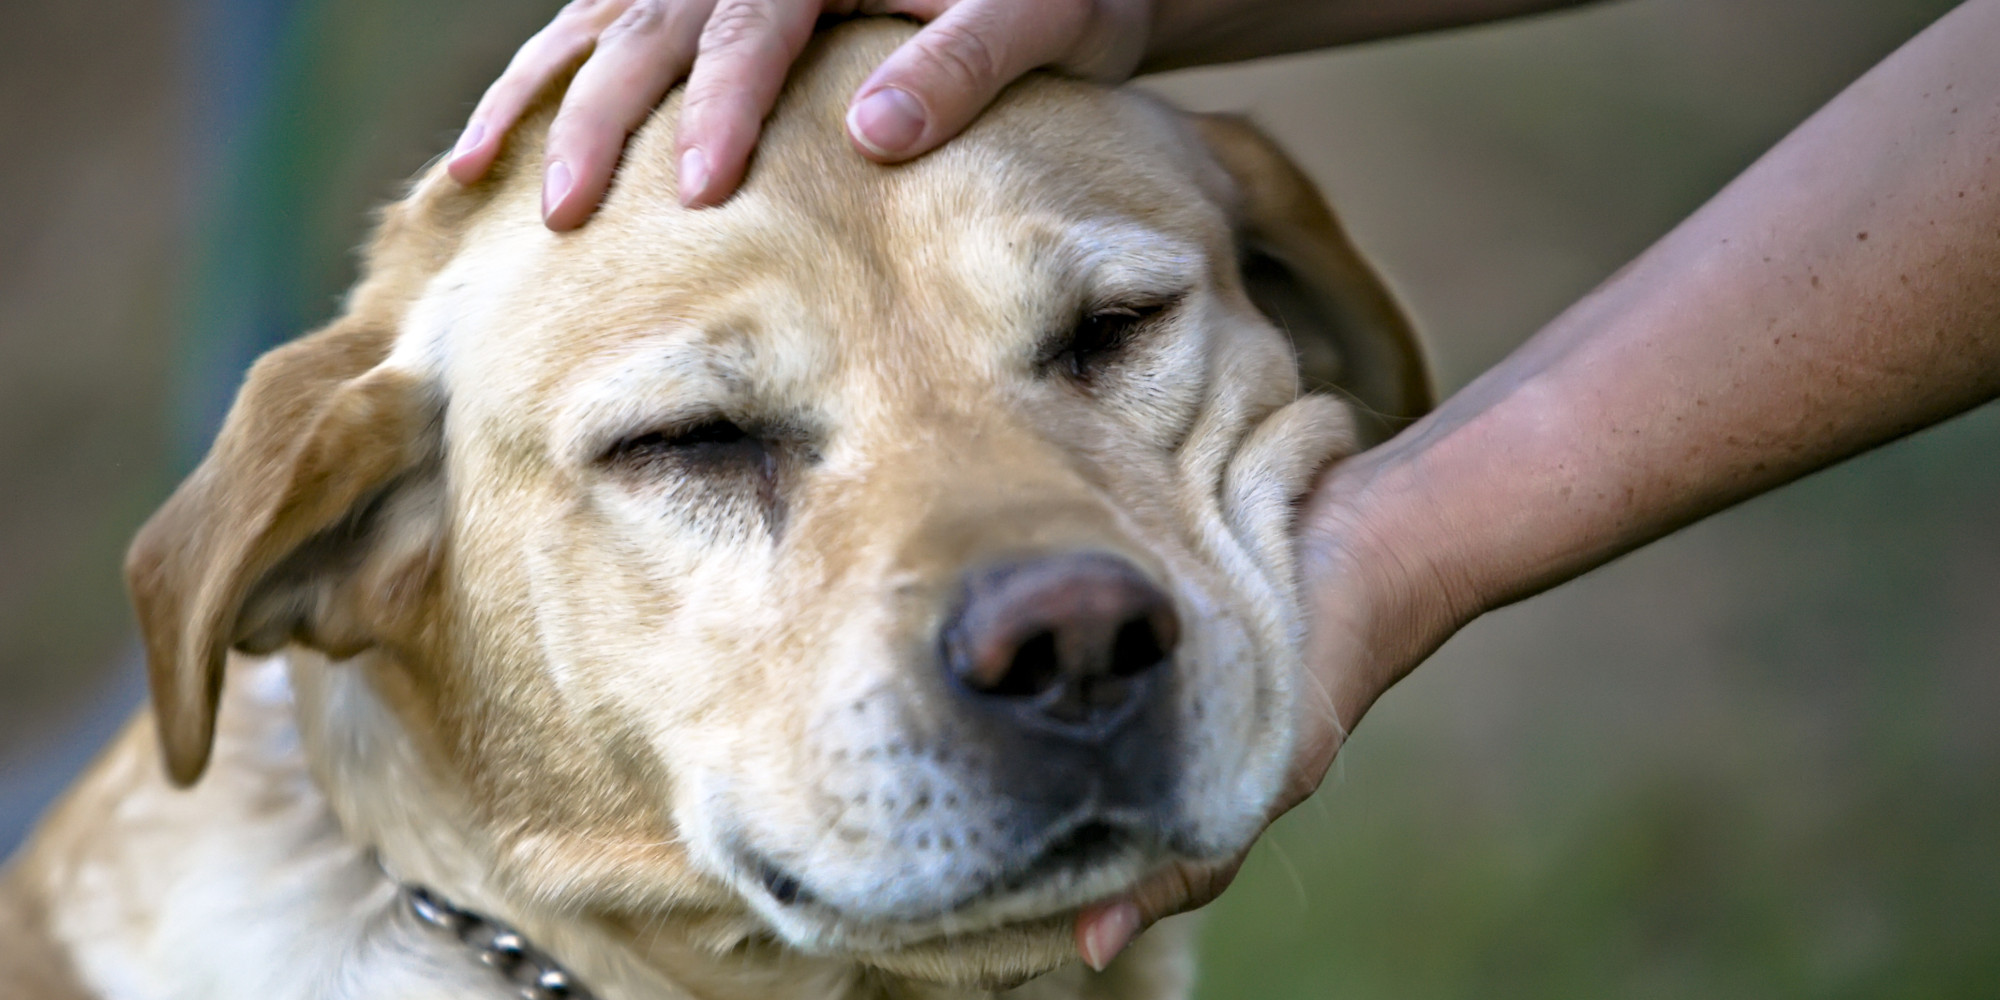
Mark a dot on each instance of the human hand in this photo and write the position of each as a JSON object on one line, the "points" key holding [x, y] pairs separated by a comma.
{"points": [[734, 55], [1374, 615], [1776, 331]]}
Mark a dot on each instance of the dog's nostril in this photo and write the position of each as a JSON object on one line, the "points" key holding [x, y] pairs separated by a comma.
{"points": [[1137, 648], [1065, 639], [1034, 669], [1037, 665]]}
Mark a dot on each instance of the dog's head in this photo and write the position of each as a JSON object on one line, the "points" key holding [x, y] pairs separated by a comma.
{"points": [[893, 558]]}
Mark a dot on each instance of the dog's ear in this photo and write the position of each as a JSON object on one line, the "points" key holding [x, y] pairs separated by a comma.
{"points": [[292, 498], [1302, 271]]}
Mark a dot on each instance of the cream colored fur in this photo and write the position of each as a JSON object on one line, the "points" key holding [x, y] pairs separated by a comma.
{"points": [[423, 603]]}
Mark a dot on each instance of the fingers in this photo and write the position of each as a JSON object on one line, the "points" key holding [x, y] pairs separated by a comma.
{"points": [[637, 58], [1102, 931], [1105, 929], [746, 50], [549, 53], [938, 81], [738, 53]]}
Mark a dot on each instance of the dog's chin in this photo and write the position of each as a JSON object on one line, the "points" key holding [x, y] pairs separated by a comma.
{"points": [[1089, 863], [998, 932], [1017, 926], [1000, 958]]}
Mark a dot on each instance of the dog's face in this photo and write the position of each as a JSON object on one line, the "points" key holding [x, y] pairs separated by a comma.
{"points": [[890, 553]]}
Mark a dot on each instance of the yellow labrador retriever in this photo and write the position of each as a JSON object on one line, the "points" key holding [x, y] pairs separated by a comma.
{"points": [[820, 596]]}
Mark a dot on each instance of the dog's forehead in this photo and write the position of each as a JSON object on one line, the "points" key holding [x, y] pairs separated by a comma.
{"points": [[823, 261]]}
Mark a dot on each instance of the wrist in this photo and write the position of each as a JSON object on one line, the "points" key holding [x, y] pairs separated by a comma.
{"points": [[1384, 582]]}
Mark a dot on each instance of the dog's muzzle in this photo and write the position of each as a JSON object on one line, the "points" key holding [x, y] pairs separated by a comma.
{"points": [[1032, 757], [1066, 649], [1061, 668]]}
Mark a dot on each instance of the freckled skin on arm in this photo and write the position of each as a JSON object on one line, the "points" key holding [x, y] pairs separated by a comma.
{"points": [[1844, 291], [1841, 293], [734, 55]]}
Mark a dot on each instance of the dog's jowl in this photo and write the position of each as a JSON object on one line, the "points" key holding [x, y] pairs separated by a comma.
{"points": [[825, 594]]}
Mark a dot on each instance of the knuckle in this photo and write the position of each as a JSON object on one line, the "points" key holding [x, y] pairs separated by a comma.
{"points": [[643, 17], [575, 127], [736, 24], [711, 114], [1074, 14], [963, 55], [1102, 14], [1206, 883], [1107, 37], [1173, 894], [1198, 888], [704, 103]]}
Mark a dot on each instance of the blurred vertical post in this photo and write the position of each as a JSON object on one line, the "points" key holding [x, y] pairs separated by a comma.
{"points": [[241, 299], [236, 301]]}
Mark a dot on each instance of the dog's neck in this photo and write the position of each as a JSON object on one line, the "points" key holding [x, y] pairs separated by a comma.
{"points": [[505, 949], [248, 885], [422, 843], [351, 741]]}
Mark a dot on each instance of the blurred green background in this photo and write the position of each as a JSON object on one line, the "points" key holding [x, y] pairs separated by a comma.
{"points": [[1759, 758]]}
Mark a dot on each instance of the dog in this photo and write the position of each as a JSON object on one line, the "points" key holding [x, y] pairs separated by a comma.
{"points": [[822, 595]]}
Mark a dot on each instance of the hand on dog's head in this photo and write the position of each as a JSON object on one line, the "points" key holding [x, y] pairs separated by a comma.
{"points": [[892, 560]]}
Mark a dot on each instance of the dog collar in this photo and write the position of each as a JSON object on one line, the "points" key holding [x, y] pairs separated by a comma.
{"points": [[527, 968]]}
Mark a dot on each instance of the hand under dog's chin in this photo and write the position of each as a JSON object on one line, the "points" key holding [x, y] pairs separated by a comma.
{"points": [[1011, 927], [814, 924], [997, 938]]}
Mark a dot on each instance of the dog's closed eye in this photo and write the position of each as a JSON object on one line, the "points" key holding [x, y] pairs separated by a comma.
{"points": [[1096, 339], [708, 447]]}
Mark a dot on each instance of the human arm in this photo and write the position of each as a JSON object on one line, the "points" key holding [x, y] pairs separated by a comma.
{"points": [[1842, 292], [735, 53]]}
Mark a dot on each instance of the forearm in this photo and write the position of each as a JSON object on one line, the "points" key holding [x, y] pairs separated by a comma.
{"points": [[1842, 292], [1204, 32]]}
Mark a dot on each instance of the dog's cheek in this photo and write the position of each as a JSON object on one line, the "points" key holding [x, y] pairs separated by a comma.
{"points": [[1245, 734], [1238, 674], [1251, 375], [1274, 469]]}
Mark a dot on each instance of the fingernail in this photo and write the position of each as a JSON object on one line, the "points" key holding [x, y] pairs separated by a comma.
{"points": [[474, 134], [888, 121], [694, 176], [1108, 934], [556, 183]]}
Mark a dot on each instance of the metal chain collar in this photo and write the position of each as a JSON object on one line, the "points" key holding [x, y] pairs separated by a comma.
{"points": [[528, 969]]}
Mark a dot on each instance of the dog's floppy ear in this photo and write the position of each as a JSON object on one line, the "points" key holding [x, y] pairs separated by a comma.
{"points": [[1301, 270], [318, 433]]}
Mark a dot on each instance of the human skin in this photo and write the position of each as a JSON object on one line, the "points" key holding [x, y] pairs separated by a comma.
{"points": [[734, 55], [1844, 291]]}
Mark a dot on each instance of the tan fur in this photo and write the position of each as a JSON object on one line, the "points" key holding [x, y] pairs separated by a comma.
{"points": [[572, 691], [32, 963]]}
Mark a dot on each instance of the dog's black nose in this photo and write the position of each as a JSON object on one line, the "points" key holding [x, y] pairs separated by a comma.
{"points": [[1067, 644]]}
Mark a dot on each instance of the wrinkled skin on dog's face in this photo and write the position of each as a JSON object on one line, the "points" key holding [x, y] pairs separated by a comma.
{"points": [[736, 468], [891, 560], [740, 484]]}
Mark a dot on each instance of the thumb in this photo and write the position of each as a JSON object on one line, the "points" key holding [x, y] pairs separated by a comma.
{"points": [[939, 80]]}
